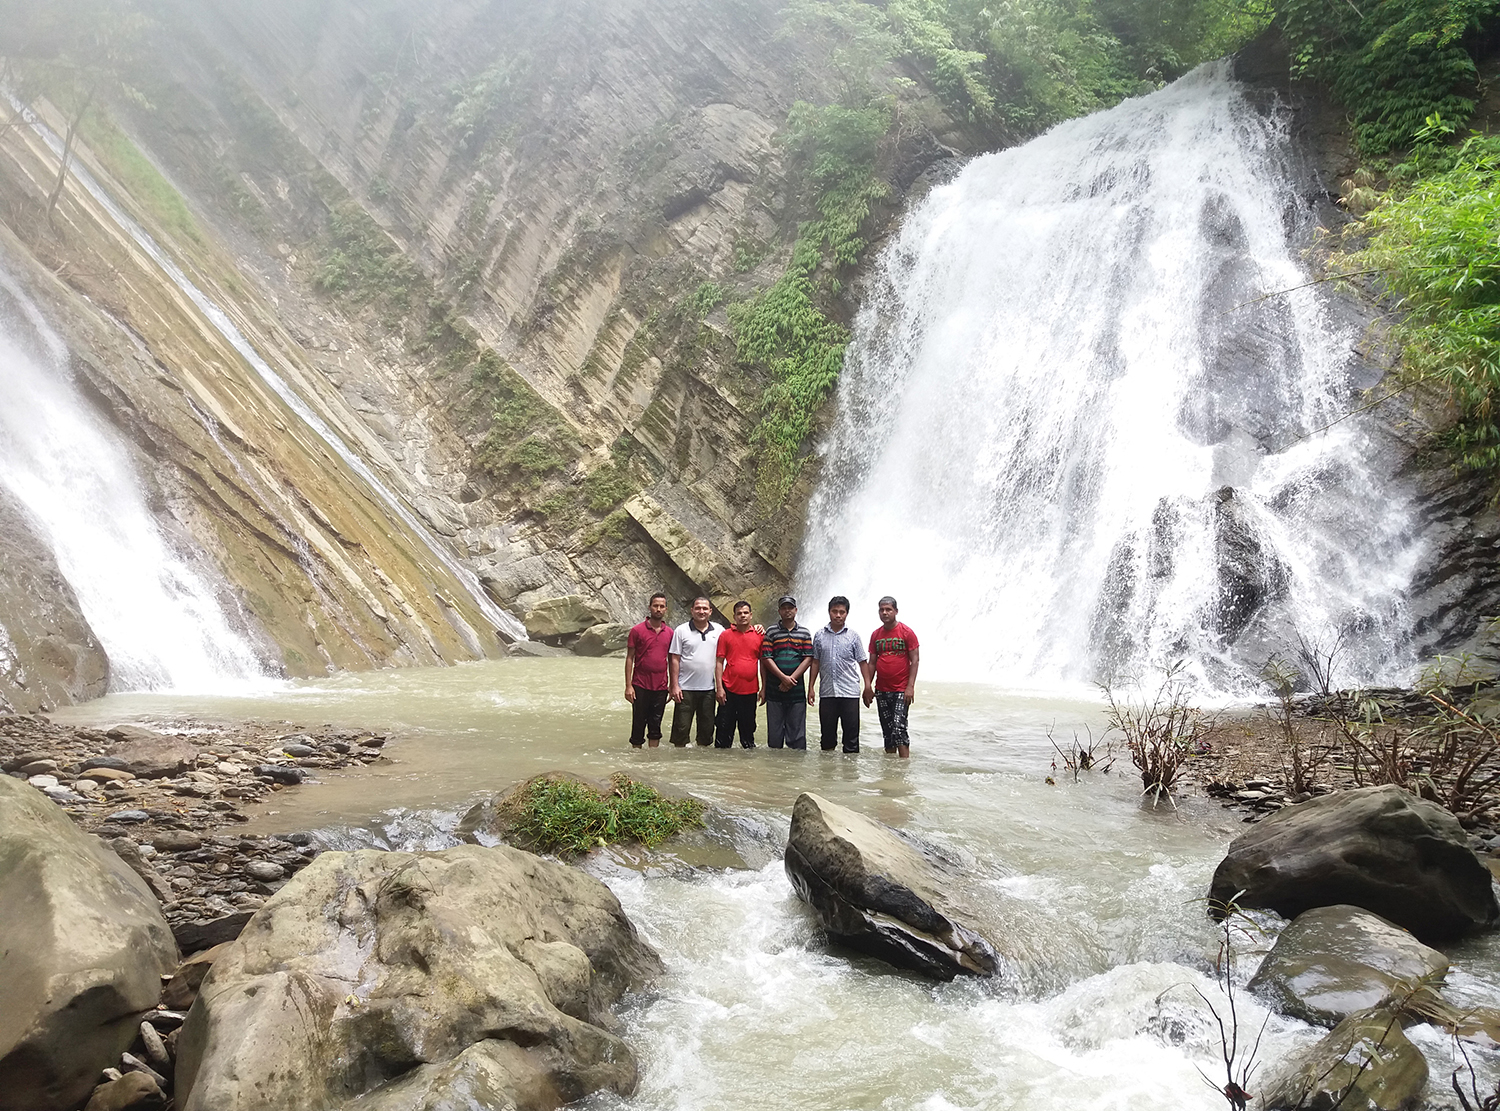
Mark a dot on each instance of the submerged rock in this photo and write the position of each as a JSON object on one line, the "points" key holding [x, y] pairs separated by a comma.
{"points": [[84, 947], [1333, 961], [1365, 1063], [1379, 848], [877, 893], [409, 978]]}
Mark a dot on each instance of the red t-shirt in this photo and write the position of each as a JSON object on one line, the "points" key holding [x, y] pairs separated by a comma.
{"points": [[741, 655], [888, 650], [650, 655]]}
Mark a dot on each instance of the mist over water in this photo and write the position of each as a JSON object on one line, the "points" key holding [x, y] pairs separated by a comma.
{"points": [[1076, 439], [160, 621]]}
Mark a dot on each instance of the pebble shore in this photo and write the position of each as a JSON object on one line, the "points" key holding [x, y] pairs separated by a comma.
{"points": [[166, 797]]}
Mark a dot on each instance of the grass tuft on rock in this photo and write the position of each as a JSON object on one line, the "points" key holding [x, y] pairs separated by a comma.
{"points": [[569, 818]]}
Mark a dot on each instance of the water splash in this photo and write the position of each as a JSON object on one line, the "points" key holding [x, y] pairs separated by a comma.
{"points": [[1074, 444], [160, 621]]}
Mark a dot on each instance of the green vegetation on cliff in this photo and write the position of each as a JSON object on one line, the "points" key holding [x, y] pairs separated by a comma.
{"points": [[1433, 241]]}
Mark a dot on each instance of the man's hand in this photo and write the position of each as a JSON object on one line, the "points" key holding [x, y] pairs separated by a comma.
{"points": [[676, 693], [811, 697], [720, 695], [762, 700], [868, 695], [629, 694], [910, 695], [787, 684], [761, 629]]}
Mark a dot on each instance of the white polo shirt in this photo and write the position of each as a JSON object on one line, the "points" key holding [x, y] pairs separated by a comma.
{"points": [[696, 670]]}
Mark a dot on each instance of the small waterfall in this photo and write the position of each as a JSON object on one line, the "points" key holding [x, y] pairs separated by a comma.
{"points": [[1076, 440], [159, 621], [221, 322]]}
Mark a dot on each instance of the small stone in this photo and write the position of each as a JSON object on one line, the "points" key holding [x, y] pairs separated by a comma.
{"points": [[59, 793], [264, 870], [299, 838], [156, 1053], [176, 841], [111, 763], [129, 1062], [128, 816], [278, 773], [39, 767], [164, 1019], [42, 782], [229, 767], [134, 1091], [298, 750]]}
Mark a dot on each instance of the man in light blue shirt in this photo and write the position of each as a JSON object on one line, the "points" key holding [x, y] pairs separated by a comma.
{"points": [[840, 659]]}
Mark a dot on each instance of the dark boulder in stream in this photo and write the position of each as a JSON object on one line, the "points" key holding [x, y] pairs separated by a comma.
{"points": [[1379, 848], [467, 977], [877, 892]]}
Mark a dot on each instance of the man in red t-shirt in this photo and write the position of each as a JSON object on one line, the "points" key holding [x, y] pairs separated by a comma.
{"points": [[737, 679], [893, 651], [646, 673]]}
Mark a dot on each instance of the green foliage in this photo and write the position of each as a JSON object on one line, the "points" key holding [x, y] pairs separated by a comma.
{"points": [[608, 486], [1436, 244], [142, 180], [362, 263], [526, 441], [570, 818], [707, 297], [1392, 63]]}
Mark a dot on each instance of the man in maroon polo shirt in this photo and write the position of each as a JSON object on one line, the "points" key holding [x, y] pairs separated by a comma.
{"points": [[646, 673]]}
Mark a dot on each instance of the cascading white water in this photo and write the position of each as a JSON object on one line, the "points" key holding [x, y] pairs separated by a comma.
{"points": [[1076, 440], [221, 322], [157, 618]]}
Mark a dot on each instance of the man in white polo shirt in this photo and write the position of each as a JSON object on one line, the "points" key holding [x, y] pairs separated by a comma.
{"points": [[690, 668]]}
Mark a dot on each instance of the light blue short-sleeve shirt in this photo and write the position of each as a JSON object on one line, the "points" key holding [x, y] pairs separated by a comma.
{"points": [[839, 655]]}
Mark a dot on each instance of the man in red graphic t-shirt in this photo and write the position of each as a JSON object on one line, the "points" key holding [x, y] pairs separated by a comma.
{"points": [[893, 651], [646, 673], [737, 677]]}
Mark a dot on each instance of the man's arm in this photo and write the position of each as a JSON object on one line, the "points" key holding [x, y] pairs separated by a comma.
{"points": [[812, 680], [913, 659], [719, 680], [867, 669], [674, 661], [630, 673]]}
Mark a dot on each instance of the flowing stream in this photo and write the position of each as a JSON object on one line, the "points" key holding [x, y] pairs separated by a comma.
{"points": [[160, 621], [1100, 898], [1075, 436]]}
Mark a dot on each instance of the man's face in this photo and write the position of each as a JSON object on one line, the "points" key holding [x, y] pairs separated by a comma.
{"points": [[658, 609], [788, 614], [837, 615], [887, 614], [742, 618], [701, 610]]}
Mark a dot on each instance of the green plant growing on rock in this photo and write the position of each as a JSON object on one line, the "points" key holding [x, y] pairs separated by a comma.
{"points": [[567, 817]]}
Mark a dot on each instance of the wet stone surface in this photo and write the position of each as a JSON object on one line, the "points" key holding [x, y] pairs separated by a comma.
{"points": [[178, 830]]}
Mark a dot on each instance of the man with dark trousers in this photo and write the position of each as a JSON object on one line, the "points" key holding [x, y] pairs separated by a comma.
{"points": [[646, 673], [895, 656], [785, 657], [737, 679], [690, 661], [840, 660]]}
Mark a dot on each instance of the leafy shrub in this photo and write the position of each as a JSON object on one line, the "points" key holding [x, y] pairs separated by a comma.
{"points": [[1433, 242], [564, 816]]}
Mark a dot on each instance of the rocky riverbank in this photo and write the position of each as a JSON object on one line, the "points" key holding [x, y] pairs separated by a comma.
{"points": [[167, 799]]}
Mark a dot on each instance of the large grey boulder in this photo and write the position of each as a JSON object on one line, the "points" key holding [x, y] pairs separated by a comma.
{"points": [[1333, 961], [152, 755], [83, 946], [878, 893], [1379, 848], [1365, 1063], [601, 640], [555, 617], [411, 978]]}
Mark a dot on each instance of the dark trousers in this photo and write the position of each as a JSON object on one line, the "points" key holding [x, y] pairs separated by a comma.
{"points": [[786, 723], [892, 708], [738, 710], [645, 715], [833, 711], [699, 707]]}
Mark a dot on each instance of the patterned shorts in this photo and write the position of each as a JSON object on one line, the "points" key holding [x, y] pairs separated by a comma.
{"points": [[892, 708]]}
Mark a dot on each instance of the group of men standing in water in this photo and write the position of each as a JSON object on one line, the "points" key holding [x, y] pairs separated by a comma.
{"points": [[717, 678]]}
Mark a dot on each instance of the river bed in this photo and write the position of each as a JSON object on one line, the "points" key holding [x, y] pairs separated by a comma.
{"points": [[1100, 895]]}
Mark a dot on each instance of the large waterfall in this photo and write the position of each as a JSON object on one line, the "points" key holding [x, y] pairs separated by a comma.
{"points": [[159, 620], [1077, 440]]}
